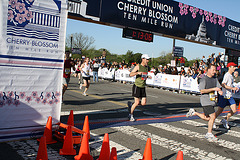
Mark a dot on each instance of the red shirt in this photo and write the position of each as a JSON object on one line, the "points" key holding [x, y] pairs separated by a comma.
{"points": [[182, 60], [67, 68]]}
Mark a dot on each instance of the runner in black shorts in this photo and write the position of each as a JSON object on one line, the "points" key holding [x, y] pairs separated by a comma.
{"points": [[138, 90], [209, 86]]}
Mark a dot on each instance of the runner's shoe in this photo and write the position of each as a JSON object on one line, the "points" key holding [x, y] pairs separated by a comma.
{"points": [[80, 87], [211, 137], [190, 112], [225, 123], [131, 118], [85, 94], [129, 104], [214, 126]]}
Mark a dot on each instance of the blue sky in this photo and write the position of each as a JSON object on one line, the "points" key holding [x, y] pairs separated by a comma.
{"points": [[111, 39]]}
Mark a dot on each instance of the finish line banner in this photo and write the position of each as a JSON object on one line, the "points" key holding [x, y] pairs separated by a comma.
{"points": [[167, 17], [31, 60]]}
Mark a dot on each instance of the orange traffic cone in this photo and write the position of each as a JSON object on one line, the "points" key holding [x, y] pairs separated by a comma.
{"points": [[239, 106], [70, 119], [113, 155], [42, 149], [105, 150], [84, 152], [86, 127], [68, 144], [180, 155], [147, 155], [48, 132]]}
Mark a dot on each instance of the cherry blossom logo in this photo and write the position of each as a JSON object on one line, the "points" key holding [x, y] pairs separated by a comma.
{"points": [[51, 102], [2, 103], [207, 15], [58, 94], [16, 103], [10, 94], [48, 94], [1, 94], [9, 101], [18, 12], [221, 20], [183, 9], [28, 99], [38, 99], [44, 101], [34, 94], [22, 95], [201, 12], [213, 19], [194, 11], [56, 100]]}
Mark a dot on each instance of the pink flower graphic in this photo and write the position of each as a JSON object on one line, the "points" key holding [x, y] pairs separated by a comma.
{"points": [[28, 15], [183, 8], [9, 102], [56, 100], [2, 103], [34, 94], [20, 7], [51, 102], [194, 11], [13, 3], [213, 19], [44, 101], [10, 14], [10, 94], [221, 20], [48, 94], [38, 99], [1, 94], [57, 94], [22, 95], [20, 18], [28, 99], [201, 12], [16, 103]]}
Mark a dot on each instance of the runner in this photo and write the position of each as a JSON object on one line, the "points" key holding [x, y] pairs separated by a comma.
{"points": [[68, 64], [138, 90], [85, 69], [227, 99], [209, 86]]}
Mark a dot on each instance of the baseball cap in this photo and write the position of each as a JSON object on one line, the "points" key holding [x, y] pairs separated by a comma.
{"points": [[145, 56], [231, 64]]}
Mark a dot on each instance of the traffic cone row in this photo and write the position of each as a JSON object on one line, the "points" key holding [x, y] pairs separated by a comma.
{"points": [[84, 152]]}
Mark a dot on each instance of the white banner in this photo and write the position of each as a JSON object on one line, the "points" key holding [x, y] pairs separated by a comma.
{"points": [[189, 84], [31, 59]]}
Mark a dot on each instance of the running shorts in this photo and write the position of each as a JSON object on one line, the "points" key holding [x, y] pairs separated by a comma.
{"points": [[138, 92]]}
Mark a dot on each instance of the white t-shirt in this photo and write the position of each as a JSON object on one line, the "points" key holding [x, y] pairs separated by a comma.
{"points": [[228, 80], [86, 70]]}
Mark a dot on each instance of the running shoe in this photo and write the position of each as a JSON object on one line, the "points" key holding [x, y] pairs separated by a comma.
{"points": [[132, 119], [129, 104], [85, 94], [190, 112], [211, 137], [225, 123], [214, 126], [80, 87]]}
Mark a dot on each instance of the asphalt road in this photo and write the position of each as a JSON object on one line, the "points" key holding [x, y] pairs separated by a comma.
{"points": [[162, 119]]}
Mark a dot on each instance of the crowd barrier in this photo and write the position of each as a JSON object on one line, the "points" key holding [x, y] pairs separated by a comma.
{"points": [[175, 82]]}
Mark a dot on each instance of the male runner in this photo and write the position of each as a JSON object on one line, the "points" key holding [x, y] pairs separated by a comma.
{"points": [[227, 99], [208, 86], [138, 89]]}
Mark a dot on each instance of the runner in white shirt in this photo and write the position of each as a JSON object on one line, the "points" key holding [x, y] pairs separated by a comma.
{"points": [[85, 70], [226, 99]]}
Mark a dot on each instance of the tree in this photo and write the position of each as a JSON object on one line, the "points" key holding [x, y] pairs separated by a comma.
{"points": [[79, 41]]}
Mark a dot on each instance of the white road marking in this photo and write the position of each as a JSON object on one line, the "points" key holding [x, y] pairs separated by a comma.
{"points": [[152, 96], [203, 125], [122, 152], [175, 146]]}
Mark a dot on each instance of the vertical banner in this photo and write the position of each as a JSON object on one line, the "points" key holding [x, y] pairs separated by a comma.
{"points": [[32, 45]]}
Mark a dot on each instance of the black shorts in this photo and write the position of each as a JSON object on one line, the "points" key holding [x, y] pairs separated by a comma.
{"points": [[77, 71], [138, 92], [208, 110], [86, 78]]}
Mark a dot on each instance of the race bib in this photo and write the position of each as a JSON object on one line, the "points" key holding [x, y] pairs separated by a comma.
{"points": [[67, 70], [213, 96], [144, 75]]}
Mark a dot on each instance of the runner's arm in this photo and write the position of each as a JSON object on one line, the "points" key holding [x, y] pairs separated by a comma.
{"points": [[135, 71]]}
